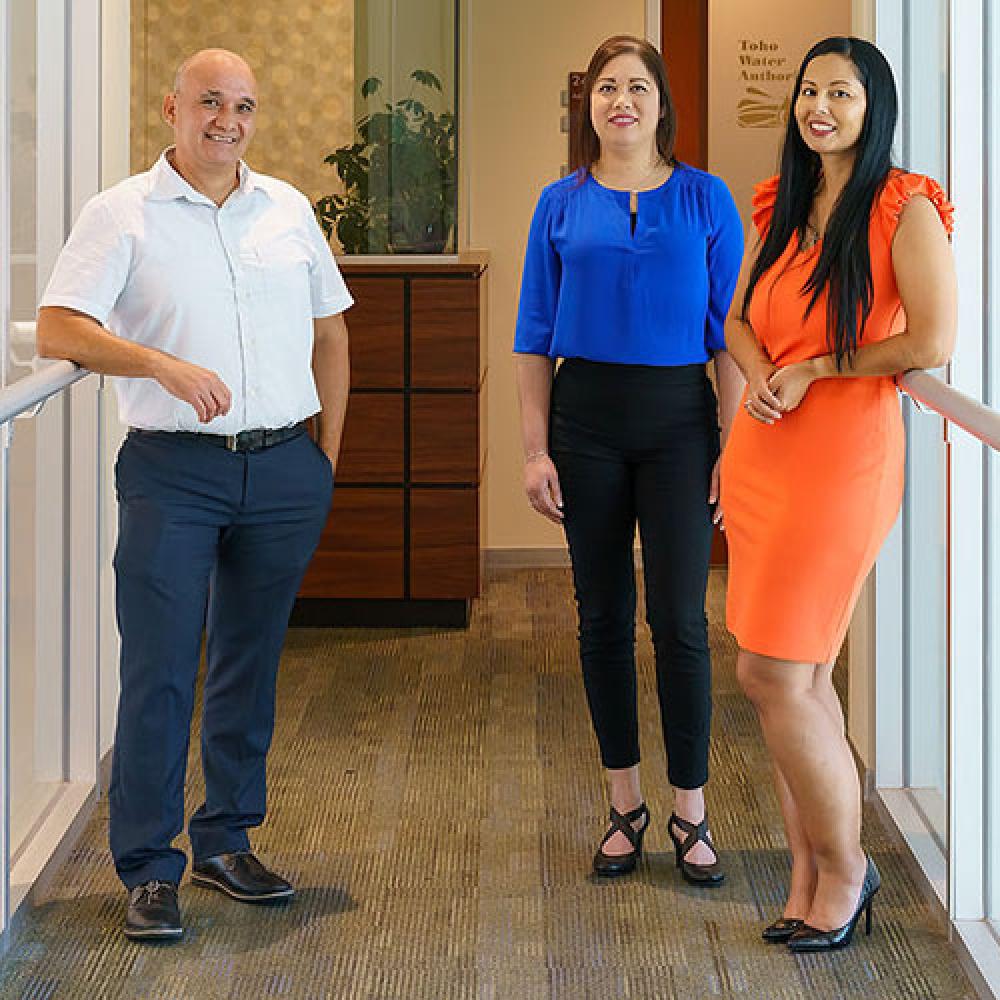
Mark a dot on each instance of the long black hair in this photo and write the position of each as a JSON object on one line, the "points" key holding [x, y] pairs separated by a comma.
{"points": [[844, 265]]}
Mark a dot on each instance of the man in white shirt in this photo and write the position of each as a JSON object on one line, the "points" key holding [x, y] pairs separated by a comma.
{"points": [[209, 290]]}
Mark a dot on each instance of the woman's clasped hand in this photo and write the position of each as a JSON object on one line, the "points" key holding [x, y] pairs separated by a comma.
{"points": [[774, 391]]}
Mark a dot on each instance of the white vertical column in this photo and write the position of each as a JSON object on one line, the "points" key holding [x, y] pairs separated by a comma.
{"points": [[48, 428], [888, 576], [4, 583], [115, 160], [85, 435], [966, 518], [992, 603]]}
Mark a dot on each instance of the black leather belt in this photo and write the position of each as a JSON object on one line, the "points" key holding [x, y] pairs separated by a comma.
{"points": [[252, 440]]}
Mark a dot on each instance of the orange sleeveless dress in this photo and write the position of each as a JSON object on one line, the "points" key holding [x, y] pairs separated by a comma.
{"points": [[809, 500]]}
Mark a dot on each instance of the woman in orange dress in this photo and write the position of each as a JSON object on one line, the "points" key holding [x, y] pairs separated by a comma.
{"points": [[852, 283]]}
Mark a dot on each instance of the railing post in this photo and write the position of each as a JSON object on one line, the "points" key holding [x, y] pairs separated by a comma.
{"points": [[5, 442]]}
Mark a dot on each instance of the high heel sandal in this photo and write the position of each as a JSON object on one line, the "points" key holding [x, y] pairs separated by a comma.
{"points": [[622, 864], [781, 930], [808, 938], [705, 876]]}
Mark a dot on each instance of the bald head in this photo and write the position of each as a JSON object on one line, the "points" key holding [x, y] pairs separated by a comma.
{"points": [[213, 62], [212, 110]]}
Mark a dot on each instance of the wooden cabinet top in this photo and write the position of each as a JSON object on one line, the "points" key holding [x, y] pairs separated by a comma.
{"points": [[469, 264]]}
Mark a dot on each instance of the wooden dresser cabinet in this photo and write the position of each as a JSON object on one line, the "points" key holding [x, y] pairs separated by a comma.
{"points": [[402, 544]]}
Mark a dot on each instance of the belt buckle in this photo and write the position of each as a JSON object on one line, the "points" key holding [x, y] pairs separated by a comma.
{"points": [[231, 442]]}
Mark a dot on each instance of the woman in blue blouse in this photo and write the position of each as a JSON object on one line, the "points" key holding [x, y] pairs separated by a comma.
{"points": [[630, 266]]}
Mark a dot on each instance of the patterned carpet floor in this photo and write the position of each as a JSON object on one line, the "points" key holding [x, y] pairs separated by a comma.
{"points": [[436, 798]]}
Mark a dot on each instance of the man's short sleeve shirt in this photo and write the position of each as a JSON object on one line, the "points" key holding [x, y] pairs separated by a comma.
{"points": [[234, 289]]}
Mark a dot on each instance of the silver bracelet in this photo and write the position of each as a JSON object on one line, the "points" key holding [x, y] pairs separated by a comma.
{"points": [[532, 455]]}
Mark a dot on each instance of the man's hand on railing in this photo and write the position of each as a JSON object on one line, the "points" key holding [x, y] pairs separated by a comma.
{"points": [[66, 333]]}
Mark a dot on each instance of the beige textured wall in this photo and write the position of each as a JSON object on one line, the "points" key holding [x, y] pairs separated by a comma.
{"points": [[302, 52], [517, 58]]}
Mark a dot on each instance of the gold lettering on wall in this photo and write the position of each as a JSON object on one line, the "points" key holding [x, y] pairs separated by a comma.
{"points": [[760, 62]]}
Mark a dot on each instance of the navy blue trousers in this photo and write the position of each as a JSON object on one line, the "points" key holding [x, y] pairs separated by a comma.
{"points": [[210, 542]]}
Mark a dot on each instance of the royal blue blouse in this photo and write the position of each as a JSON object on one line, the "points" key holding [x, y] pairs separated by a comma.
{"points": [[659, 296]]}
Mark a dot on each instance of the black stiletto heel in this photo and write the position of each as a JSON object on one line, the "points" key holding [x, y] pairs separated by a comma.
{"points": [[808, 938], [622, 864]]}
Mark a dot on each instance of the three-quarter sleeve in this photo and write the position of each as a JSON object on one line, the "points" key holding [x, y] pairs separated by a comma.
{"points": [[725, 254], [536, 313]]}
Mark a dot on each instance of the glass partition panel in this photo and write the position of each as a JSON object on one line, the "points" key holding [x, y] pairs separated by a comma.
{"points": [[398, 190], [36, 504], [23, 126], [925, 525]]}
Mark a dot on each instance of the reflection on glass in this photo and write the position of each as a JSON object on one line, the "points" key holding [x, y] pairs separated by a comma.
{"points": [[396, 185]]}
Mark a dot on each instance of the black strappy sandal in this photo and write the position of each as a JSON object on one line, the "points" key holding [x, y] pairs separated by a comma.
{"points": [[622, 864], [705, 876]]}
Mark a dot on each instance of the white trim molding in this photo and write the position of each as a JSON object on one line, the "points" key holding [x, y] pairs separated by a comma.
{"points": [[654, 24]]}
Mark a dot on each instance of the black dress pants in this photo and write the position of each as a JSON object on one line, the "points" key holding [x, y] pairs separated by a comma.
{"points": [[636, 444]]}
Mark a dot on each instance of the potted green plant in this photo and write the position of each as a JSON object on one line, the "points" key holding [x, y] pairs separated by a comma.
{"points": [[399, 177]]}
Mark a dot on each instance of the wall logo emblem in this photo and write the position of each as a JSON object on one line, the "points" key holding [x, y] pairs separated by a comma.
{"points": [[759, 109], [761, 61]]}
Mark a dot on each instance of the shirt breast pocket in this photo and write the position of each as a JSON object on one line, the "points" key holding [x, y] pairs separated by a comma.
{"points": [[281, 277]]}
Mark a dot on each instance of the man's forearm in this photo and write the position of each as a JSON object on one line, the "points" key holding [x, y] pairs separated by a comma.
{"points": [[74, 336], [332, 372]]}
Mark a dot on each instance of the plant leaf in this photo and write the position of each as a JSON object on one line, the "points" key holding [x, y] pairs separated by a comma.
{"points": [[370, 86], [426, 77]]}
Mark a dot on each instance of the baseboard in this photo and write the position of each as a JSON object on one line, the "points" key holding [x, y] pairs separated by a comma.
{"points": [[919, 873], [53, 842], [526, 558], [546, 558]]}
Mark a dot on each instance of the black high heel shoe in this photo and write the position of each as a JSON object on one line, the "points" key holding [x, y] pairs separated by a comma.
{"points": [[622, 864], [808, 938], [705, 876], [781, 930]]}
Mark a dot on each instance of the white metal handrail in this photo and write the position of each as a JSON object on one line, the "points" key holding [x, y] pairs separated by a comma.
{"points": [[36, 388], [973, 417]]}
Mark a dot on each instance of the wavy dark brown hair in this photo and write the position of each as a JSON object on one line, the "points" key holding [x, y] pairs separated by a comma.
{"points": [[586, 145]]}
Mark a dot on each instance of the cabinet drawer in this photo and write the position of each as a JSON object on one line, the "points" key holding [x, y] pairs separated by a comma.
{"points": [[375, 328], [372, 450], [444, 543], [361, 551], [444, 334], [444, 438]]}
